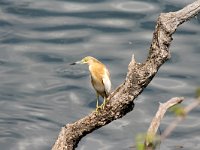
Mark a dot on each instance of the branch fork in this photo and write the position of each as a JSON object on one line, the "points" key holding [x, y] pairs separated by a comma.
{"points": [[121, 101]]}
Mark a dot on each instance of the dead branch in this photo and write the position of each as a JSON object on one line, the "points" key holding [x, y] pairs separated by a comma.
{"points": [[138, 77], [151, 138], [179, 119], [151, 133]]}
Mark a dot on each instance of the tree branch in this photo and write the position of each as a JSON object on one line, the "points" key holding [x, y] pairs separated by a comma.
{"points": [[151, 138], [138, 77], [151, 133], [179, 119]]}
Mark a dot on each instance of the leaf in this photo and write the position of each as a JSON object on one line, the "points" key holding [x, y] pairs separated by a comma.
{"points": [[178, 110], [198, 92]]}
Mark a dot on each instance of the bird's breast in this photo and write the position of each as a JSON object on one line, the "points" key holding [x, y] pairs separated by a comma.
{"points": [[97, 84]]}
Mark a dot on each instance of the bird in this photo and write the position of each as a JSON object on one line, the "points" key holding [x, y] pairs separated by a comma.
{"points": [[100, 78]]}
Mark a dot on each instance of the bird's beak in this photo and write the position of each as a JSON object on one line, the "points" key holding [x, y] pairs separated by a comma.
{"points": [[78, 62]]}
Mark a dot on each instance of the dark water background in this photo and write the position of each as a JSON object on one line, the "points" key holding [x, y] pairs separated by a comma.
{"points": [[40, 92]]}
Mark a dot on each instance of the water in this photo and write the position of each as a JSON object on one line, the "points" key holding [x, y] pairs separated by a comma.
{"points": [[40, 92]]}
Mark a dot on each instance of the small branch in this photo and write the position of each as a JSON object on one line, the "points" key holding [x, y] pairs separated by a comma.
{"points": [[151, 133], [121, 101], [179, 119]]}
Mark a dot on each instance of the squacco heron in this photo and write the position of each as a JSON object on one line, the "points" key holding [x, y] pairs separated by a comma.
{"points": [[100, 78]]}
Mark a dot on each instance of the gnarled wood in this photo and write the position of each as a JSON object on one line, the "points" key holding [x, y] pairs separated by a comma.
{"points": [[138, 77]]}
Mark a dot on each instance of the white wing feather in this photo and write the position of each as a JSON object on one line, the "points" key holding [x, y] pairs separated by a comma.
{"points": [[107, 82]]}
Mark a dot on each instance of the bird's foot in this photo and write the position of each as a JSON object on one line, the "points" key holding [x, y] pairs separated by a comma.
{"points": [[97, 109], [101, 107], [104, 103]]}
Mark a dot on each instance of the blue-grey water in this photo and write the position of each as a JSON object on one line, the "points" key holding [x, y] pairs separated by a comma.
{"points": [[40, 91]]}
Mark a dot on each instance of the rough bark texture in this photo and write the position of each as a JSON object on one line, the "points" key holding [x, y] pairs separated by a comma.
{"points": [[138, 77]]}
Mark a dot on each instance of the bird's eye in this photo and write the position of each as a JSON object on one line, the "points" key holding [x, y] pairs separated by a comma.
{"points": [[85, 60]]}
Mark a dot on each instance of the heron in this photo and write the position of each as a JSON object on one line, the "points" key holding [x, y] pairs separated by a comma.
{"points": [[100, 78]]}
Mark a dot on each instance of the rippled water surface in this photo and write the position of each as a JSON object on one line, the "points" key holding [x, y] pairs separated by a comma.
{"points": [[40, 91]]}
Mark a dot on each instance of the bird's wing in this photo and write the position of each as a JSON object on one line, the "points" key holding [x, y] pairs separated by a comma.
{"points": [[107, 82]]}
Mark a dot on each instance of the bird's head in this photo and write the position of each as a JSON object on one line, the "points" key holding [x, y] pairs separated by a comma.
{"points": [[86, 60]]}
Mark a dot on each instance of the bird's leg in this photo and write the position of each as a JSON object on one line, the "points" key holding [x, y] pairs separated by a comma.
{"points": [[104, 103], [97, 104]]}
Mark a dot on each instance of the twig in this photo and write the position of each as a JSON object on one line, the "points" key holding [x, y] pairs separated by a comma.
{"points": [[179, 119], [151, 133]]}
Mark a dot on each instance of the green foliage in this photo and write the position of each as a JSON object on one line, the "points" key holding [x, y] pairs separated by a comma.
{"points": [[150, 138], [140, 142], [198, 92], [143, 141], [178, 110]]}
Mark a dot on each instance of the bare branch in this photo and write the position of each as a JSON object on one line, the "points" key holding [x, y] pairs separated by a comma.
{"points": [[138, 77], [151, 138], [151, 133], [179, 119]]}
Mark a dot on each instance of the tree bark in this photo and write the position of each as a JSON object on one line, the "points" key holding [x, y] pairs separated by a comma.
{"points": [[139, 75]]}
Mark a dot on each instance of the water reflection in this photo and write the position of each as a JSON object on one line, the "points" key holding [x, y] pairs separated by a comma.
{"points": [[135, 6], [40, 91]]}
